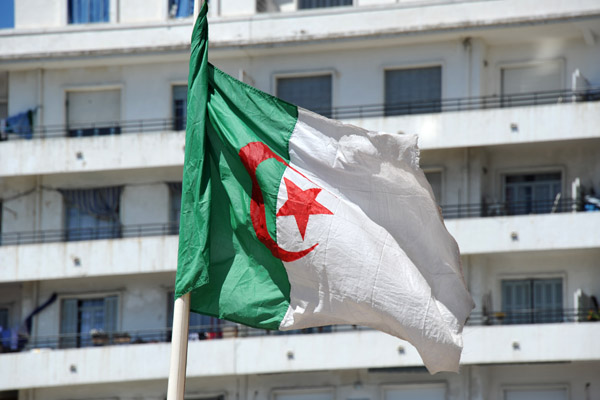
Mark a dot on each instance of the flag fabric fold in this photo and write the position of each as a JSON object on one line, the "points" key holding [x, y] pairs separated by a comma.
{"points": [[291, 220]]}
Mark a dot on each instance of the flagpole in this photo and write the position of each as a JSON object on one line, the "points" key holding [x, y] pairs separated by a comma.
{"points": [[181, 320], [179, 346]]}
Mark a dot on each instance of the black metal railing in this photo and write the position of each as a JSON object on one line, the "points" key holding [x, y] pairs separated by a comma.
{"points": [[510, 208], [342, 112], [227, 330], [77, 234], [562, 205], [95, 338], [532, 316]]}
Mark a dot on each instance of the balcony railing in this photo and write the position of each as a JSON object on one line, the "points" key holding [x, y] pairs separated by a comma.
{"points": [[532, 316], [511, 208], [230, 330], [342, 112], [77, 234], [448, 211]]}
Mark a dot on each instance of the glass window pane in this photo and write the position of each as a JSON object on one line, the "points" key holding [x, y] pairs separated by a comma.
{"points": [[516, 301], [93, 112], [435, 180], [300, 395], [531, 193], [304, 4], [413, 90], [310, 92], [413, 393], [88, 11], [181, 8], [7, 15], [179, 107], [533, 394]]}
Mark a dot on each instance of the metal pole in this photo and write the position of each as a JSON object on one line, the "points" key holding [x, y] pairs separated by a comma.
{"points": [[179, 346], [181, 321], [197, 5]]}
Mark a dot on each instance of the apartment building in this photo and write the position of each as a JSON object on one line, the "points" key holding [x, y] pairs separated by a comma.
{"points": [[503, 94]]}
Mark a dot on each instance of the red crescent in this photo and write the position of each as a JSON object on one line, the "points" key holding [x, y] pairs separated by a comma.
{"points": [[252, 155]]}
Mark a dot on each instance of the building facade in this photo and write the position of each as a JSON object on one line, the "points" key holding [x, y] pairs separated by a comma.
{"points": [[503, 94]]}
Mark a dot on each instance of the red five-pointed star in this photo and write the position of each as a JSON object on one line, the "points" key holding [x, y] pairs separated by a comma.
{"points": [[301, 204]]}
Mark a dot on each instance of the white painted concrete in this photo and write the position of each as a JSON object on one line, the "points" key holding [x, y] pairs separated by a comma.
{"points": [[320, 24], [63, 155], [269, 354], [541, 124], [534, 233], [493, 127], [96, 258]]}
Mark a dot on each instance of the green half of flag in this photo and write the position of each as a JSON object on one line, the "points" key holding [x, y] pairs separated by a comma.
{"points": [[230, 273]]}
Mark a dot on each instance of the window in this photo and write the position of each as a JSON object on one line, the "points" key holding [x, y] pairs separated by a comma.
{"points": [[520, 83], [526, 301], [3, 95], [413, 91], [7, 15], [181, 8], [531, 193], [535, 394], [304, 4], [87, 11], [416, 392], [92, 213], [93, 112], [87, 321], [310, 92], [306, 394], [435, 180], [175, 206], [3, 318], [201, 326], [179, 107]]}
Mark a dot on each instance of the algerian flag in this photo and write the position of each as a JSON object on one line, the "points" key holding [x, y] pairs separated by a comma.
{"points": [[291, 220]]}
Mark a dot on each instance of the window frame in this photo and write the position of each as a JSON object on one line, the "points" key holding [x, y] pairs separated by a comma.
{"points": [[117, 225], [89, 296], [206, 396], [501, 65], [413, 385], [303, 390], [498, 278], [307, 74], [93, 88], [534, 386], [112, 15], [501, 174], [172, 101], [442, 171], [414, 65], [298, 8]]}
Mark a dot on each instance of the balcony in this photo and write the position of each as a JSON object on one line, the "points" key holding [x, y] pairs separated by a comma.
{"points": [[534, 232], [460, 122], [294, 353], [478, 229], [140, 249], [60, 154]]}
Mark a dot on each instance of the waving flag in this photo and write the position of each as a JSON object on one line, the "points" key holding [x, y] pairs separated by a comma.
{"points": [[291, 220]]}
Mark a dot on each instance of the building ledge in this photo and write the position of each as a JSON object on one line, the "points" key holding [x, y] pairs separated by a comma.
{"points": [[347, 23], [294, 353], [538, 232], [105, 257]]}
